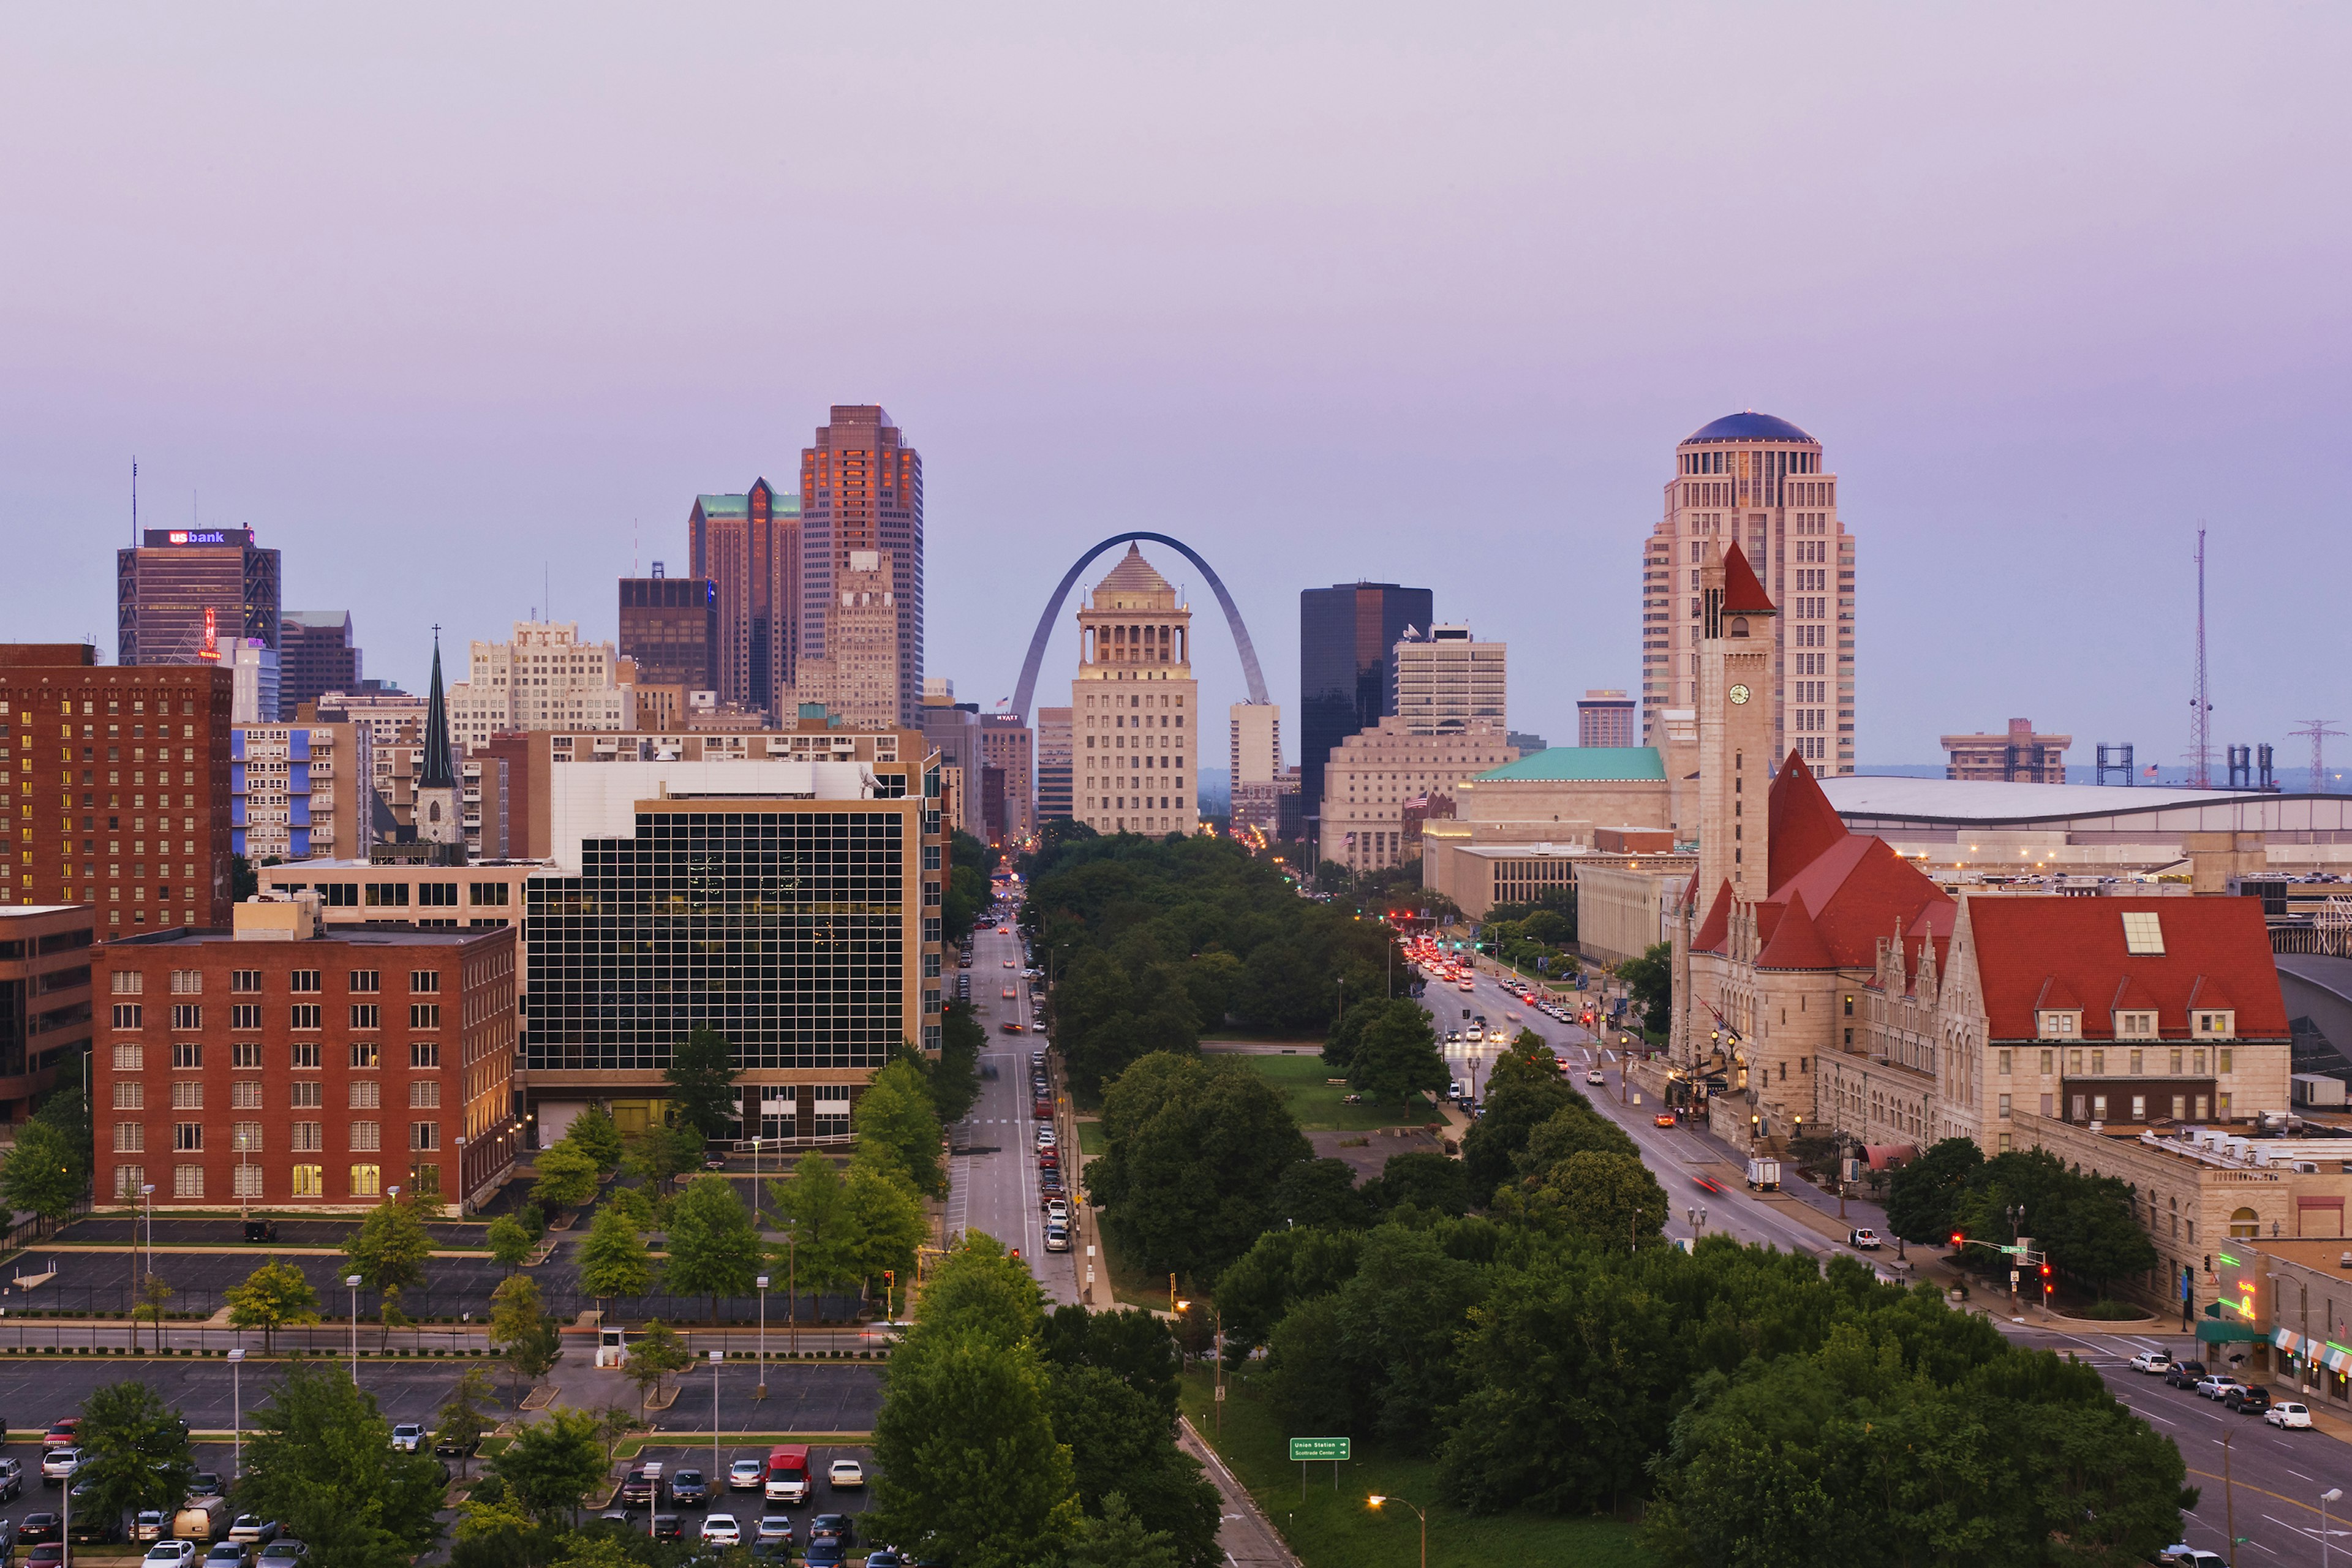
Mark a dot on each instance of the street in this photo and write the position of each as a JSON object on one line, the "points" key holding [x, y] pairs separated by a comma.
{"points": [[992, 1178]]}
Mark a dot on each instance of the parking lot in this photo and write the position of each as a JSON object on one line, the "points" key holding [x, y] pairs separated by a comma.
{"points": [[750, 1507], [35, 1392]]}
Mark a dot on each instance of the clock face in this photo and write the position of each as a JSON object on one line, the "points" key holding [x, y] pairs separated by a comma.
{"points": [[1740, 694]]}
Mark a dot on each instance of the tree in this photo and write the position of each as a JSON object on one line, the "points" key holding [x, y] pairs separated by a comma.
{"points": [[1398, 1056], [895, 1114], [461, 1424], [1424, 1179], [519, 1331], [389, 1249], [814, 1210], [966, 1453], [1608, 1198], [1321, 1193], [1520, 1099], [275, 1296], [660, 1154], [713, 1250], [1117, 1538], [567, 1176], [154, 1295], [1121, 1442], [1923, 1195], [1195, 1150], [319, 1459], [510, 1241], [613, 1259], [1650, 979], [594, 1134], [551, 1462], [702, 1078], [657, 1352], [887, 1222], [955, 1076], [134, 1450], [43, 1174]]}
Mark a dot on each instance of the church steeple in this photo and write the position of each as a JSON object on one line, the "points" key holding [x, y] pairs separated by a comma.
{"points": [[440, 771]]}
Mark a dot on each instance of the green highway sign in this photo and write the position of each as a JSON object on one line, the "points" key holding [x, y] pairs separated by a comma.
{"points": [[1328, 1450]]}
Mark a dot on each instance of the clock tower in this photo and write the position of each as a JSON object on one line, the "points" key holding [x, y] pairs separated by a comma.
{"points": [[1736, 709]]}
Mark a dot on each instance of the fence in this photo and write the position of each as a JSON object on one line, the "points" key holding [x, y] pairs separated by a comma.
{"points": [[431, 1306]]}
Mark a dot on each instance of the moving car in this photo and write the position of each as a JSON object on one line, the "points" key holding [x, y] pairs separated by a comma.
{"points": [[1666, 1118], [2190, 1557], [2288, 1413], [721, 1530], [848, 1475], [1596, 1078], [408, 1437], [2151, 1362], [1865, 1238]]}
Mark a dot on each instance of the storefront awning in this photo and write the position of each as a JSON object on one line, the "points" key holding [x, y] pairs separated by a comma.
{"points": [[1884, 1155], [2334, 1358], [2219, 1334]]}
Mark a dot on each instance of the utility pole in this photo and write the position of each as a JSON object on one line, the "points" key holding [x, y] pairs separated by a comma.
{"points": [[2316, 732], [2200, 703]]}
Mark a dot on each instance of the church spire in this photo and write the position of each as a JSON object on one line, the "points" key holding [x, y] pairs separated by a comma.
{"points": [[440, 771]]}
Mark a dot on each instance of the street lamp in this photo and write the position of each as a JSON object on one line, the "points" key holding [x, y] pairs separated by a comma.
{"points": [[243, 1210], [461, 1175], [236, 1417], [761, 1390], [1377, 1499], [353, 1281], [717, 1357], [755, 1171], [140, 1272], [2333, 1494]]}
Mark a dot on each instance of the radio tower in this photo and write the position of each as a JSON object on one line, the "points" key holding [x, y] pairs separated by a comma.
{"points": [[2317, 731], [2200, 705]]}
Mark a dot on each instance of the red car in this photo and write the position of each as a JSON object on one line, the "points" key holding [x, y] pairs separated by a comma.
{"points": [[61, 1434], [1664, 1119]]}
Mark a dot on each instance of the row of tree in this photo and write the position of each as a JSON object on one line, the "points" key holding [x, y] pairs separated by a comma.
{"points": [[1010, 1437], [2089, 1225]]}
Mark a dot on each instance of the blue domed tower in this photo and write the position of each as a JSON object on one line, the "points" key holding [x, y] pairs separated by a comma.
{"points": [[1758, 481]]}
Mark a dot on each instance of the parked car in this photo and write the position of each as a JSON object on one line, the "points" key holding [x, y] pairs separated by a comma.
{"points": [[253, 1530], [283, 1553], [2217, 1385], [2288, 1413], [407, 1436], [207, 1482], [827, 1554], [845, 1475], [745, 1476], [838, 1527], [171, 1554], [48, 1554], [1058, 1210], [886, 1558], [261, 1230], [2151, 1362], [688, 1489], [450, 1448], [1865, 1239], [229, 1554], [12, 1480], [721, 1530], [774, 1529], [1057, 1238], [2184, 1373], [2247, 1401], [2190, 1557], [149, 1524], [668, 1527], [39, 1527], [58, 1465], [60, 1434]]}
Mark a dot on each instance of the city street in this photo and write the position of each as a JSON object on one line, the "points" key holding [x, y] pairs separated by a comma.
{"points": [[2276, 1476], [994, 1175]]}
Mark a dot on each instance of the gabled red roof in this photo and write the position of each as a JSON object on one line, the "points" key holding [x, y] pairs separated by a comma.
{"points": [[1718, 924], [2055, 996], [1795, 942], [1804, 825], [1742, 594], [2129, 993], [2027, 947]]}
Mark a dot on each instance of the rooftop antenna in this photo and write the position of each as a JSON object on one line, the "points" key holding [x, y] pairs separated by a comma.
{"points": [[2200, 704], [134, 500], [2317, 730]]}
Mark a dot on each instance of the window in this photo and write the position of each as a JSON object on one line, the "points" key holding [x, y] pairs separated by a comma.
{"points": [[247, 1182], [2222, 1024], [2176, 1059], [2049, 1105], [425, 1015], [245, 1137], [364, 1016], [187, 1054], [130, 1137], [424, 1095], [2005, 1144], [306, 1054], [187, 983], [424, 1135], [130, 1058], [424, 981], [128, 983], [245, 980], [188, 1094], [366, 1094], [2074, 1063], [367, 1054], [130, 1097], [2059, 1024], [127, 1180], [244, 1053], [2004, 1107], [2098, 1064], [305, 1016], [2135, 1026], [366, 1137], [187, 1180], [2244, 1226], [363, 980], [367, 1181], [310, 1181], [2143, 933], [307, 1096], [303, 982], [2139, 1107], [245, 1095], [832, 1110], [437, 895], [488, 893], [388, 895], [129, 1015], [306, 1136], [2004, 1064], [188, 1136]]}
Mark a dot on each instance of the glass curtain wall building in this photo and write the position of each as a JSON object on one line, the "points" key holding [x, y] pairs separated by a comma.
{"points": [[1346, 670]]}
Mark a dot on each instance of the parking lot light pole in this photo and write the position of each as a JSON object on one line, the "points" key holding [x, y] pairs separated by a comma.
{"points": [[761, 1391], [353, 1281], [715, 1358], [236, 1416]]}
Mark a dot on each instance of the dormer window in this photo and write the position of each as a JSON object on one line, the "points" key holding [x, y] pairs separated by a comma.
{"points": [[2134, 1026], [2218, 1024], [2057, 1025]]}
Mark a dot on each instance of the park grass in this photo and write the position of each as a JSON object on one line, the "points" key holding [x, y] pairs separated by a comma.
{"points": [[1130, 1286], [1091, 1141], [1321, 1107], [1334, 1528]]}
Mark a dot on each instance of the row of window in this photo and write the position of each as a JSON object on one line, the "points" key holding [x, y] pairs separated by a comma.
{"points": [[247, 982], [188, 1056], [245, 1137], [307, 1182], [245, 1094], [189, 1016], [2223, 1059], [2219, 1023]]}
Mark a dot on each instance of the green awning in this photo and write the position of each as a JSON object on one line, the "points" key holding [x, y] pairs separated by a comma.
{"points": [[2213, 1333]]}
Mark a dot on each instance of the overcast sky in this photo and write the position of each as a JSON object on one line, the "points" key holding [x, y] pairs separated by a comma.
{"points": [[447, 301]]}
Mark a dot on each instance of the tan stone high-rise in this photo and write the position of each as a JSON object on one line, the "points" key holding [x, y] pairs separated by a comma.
{"points": [[1757, 482], [862, 489], [857, 678], [1135, 706]]}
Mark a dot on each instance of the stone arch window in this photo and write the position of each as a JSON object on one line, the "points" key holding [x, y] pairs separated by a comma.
{"points": [[2244, 1226]]}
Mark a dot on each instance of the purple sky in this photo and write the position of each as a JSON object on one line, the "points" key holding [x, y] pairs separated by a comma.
{"points": [[432, 299]]}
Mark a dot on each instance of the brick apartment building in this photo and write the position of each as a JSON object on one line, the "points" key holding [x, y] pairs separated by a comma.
{"points": [[286, 1063]]}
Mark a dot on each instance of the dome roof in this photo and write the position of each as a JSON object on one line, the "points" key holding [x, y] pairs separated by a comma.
{"points": [[1750, 425]]}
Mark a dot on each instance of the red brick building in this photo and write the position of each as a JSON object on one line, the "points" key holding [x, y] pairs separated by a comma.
{"points": [[121, 786], [286, 1063]]}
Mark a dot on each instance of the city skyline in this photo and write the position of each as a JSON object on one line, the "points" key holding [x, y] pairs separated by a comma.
{"points": [[1964, 325]]}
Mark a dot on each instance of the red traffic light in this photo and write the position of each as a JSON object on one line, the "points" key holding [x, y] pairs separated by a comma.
{"points": [[1957, 1239], [2045, 1271]]}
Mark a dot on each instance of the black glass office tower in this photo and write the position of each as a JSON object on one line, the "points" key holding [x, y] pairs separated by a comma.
{"points": [[1347, 671]]}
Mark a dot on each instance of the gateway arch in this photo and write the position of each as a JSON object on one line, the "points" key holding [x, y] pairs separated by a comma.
{"points": [[1022, 693]]}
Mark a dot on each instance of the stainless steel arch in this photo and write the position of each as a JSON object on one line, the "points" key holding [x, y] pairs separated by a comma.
{"points": [[1028, 687]]}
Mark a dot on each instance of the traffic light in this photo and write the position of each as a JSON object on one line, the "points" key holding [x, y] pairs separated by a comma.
{"points": [[1957, 1239]]}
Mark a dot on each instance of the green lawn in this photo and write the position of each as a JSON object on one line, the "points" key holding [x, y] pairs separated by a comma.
{"points": [[1090, 1138], [1330, 1527], [1318, 1106]]}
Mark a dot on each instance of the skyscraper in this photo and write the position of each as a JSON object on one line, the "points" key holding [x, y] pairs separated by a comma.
{"points": [[546, 679], [862, 489], [670, 626], [1446, 681], [1604, 716], [1054, 764], [1137, 706], [1008, 744], [749, 546], [315, 655], [1756, 481], [1347, 669], [856, 677], [185, 594]]}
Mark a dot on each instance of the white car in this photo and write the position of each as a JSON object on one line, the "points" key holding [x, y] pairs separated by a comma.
{"points": [[1058, 1211], [745, 1476], [170, 1554], [845, 1475], [2288, 1413], [721, 1530], [1595, 1078], [408, 1437], [2152, 1360], [775, 1529], [1045, 1138], [1865, 1239], [58, 1465], [1498, 1036]]}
